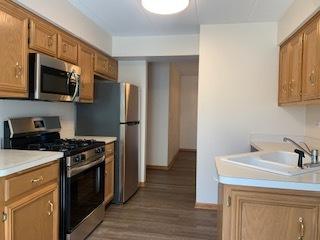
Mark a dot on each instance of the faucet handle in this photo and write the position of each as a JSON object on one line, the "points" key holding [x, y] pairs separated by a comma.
{"points": [[301, 156], [314, 155]]}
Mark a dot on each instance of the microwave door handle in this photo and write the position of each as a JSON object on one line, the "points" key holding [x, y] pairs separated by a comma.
{"points": [[76, 90]]}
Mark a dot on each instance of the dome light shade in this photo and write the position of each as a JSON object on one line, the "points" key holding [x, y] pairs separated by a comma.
{"points": [[165, 7]]}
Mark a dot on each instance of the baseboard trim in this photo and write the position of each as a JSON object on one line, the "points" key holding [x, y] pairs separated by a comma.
{"points": [[155, 167], [207, 206], [142, 184], [164, 168], [187, 150]]}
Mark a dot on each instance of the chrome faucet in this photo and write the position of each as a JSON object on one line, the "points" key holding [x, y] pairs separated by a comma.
{"points": [[314, 153]]}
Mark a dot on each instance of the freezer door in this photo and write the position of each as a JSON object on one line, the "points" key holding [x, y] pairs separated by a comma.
{"points": [[129, 103], [129, 159]]}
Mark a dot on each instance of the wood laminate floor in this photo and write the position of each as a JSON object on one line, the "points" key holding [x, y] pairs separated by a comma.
{"points": [[162, 210]]}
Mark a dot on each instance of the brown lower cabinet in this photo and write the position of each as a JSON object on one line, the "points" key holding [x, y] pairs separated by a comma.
{"points": [[31, 209], [109, 174], [248, 213]]}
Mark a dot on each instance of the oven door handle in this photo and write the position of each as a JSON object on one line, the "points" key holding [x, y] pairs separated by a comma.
{"points": [[74, 171]]}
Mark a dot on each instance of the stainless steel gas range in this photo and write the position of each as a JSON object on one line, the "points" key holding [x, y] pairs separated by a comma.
{"points": [[81, 171]]}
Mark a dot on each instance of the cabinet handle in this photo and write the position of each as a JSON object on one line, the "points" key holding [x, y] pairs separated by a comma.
{"points": [[301, 237], [18, 69], [50, 41], [36, 180], [51, 208], [312, 78], [229, 201], [64, 48], [4, 217]]}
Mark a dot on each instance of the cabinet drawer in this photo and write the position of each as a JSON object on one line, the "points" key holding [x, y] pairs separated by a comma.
{"points": [[43, 38], [101, 64], [67, 48], [24, 182], [109, 149]]}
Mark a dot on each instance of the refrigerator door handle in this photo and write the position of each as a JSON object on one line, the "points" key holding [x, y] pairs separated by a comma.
{"points": [[131, 123]]}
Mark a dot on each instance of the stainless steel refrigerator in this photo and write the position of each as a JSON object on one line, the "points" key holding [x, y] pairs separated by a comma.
{"points": [[115, 112]]}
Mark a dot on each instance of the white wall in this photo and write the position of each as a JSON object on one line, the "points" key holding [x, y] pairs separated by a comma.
{"points": [[158, 114], [180, 45], [66, 112], [136, 72], [313, 121], [299, 12], [188, 112], [65, 15], [238, 78]]}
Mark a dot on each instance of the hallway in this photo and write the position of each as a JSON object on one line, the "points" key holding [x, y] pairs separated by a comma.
{"points": [[162, 210]]}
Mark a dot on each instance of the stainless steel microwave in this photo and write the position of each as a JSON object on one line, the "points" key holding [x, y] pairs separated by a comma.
{"points": [[51, 79]]}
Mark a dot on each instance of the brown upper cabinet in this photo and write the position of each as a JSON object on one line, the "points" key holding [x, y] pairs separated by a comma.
{"points": [[310, 74], [67, 48], [43, 38], [290, 71], [106, 66], [86, 58], [13, 50], [23, 32], [299, 66]]}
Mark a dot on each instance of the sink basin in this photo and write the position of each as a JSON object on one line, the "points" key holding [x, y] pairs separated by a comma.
{"points": [[283, 163]]}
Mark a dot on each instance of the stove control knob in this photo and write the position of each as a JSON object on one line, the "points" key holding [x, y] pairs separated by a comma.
{"points": [[77, 159], [98, 150]]}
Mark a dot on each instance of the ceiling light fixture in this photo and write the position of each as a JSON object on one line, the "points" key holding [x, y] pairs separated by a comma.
{"points": [[165, 7]]}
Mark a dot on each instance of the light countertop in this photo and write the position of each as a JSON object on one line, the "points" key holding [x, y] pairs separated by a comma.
{"points": [[232, 174], [13, 161], [105, 139]]}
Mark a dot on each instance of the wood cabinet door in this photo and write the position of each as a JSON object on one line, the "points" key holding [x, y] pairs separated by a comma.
{"points": [[294, 81], [67, 48], [34, 216], [113, 69], [101, 64], [86, 57], [284, 74], [109, 181], [13, 49], [310, 62], [266, 216], [43, 38]]}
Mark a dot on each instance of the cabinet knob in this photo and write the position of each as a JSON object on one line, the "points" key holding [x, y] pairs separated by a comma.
{"points": [[36, 180], [50, 41]]}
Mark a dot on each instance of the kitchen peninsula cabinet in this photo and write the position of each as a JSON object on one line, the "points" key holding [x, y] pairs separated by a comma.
{"points": [[29, 204], [250, 213], [13, 53]]}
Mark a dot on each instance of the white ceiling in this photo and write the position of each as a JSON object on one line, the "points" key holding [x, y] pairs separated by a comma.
{"points": [[128, 18]]}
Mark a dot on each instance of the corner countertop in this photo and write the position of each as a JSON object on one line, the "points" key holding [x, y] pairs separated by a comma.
{"points": [[105, 139], [232, 174], [13, 161]]}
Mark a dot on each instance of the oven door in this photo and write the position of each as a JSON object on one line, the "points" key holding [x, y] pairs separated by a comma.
{"points": [[52, 79], [85, 192]]}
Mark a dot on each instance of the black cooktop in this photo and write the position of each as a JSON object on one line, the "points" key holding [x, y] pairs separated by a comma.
{"points": [[67, 146]]}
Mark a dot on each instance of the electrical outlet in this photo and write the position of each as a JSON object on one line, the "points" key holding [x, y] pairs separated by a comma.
{"points": [[318, 124]]}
